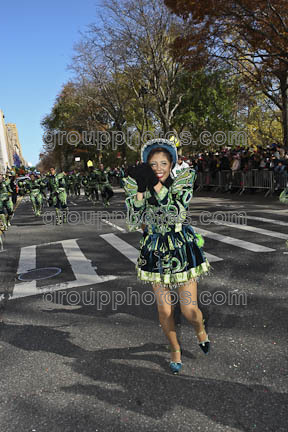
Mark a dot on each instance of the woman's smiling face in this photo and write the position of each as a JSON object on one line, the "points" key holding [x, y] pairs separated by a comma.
{"points": [[161, 165]]}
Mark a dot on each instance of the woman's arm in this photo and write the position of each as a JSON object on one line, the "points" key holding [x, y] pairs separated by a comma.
{"points": [[135, 204]]}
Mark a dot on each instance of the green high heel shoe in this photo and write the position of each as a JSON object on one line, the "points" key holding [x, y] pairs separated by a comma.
{"points": [[175, 367]]}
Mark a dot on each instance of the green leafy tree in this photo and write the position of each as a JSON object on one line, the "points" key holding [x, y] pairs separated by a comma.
{"points": [[251, 36], [208, 104]]}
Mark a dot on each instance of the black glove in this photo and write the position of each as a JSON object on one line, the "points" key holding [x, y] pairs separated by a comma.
{"points": [[144, 176], [151, 178], [130, 171], [138, 174]]}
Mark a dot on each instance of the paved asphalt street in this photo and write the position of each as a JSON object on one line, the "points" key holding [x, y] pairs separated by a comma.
{"points": [[70, 362]]}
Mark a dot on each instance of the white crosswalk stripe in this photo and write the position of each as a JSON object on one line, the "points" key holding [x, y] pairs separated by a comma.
{"points": [[253, 247], [257, 230], [122, 246], [212, 258], [27, 262], [273, 221], [113, 225]]}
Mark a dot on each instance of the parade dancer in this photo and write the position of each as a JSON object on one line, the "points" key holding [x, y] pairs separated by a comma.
{"points": [[34, 189], [58, 195], [6, 203], [68, 184], [12, 183], [171, 255], [22, 187], [77, 184], [73, 183], [85, 184], [105, 187], [43, 189], [93, 179]]}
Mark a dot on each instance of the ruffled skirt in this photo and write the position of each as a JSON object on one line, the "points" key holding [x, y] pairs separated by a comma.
{"points": [[173, 258]]}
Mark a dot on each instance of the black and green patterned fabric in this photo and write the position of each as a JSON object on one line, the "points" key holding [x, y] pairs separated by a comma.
{"points": [[170, 250]]}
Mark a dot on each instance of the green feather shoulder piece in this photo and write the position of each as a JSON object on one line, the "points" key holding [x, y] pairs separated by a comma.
{"points": [[186, 178]]}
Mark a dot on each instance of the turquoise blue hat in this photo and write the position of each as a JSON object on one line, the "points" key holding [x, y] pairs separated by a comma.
{"points": [[159, 142]]}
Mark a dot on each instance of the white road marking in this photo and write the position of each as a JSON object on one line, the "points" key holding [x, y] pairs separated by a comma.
{"points": [[114, 226], [81, 266], [27, 261], [123, 247], [257, 230], [268, 210], [212, 258], [83, 271], [234, 242], [273, 221]]}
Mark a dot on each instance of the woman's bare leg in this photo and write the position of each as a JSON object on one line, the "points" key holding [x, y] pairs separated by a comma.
{"points": [[188, 294], [166, 318]]}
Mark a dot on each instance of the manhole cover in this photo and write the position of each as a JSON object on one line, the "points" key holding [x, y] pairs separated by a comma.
{"points": [[39, 274]]}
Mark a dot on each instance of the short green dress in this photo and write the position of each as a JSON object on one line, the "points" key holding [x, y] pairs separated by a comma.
{"points": [[170, 251]]}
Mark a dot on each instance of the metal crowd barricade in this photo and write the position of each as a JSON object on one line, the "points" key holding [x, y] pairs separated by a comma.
{"points": [[208, 179], [252, 179], [212, 179], [258, 179], [229, 179]]}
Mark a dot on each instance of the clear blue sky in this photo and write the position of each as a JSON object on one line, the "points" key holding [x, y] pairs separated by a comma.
{"points": [[37, 39]]}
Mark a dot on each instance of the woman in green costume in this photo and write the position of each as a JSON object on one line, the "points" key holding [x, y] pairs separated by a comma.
{"points": [[171, 255]]}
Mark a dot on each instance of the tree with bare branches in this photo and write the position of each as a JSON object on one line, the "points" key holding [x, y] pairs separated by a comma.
{"points": [[252, 36], [135, 41]]}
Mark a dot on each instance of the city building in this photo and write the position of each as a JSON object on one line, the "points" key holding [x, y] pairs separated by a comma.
{"points": [[14, 145], [4, 156]]}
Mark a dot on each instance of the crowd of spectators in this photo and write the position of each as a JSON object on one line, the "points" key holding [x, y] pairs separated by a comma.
{"points": [[272, 158]]}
